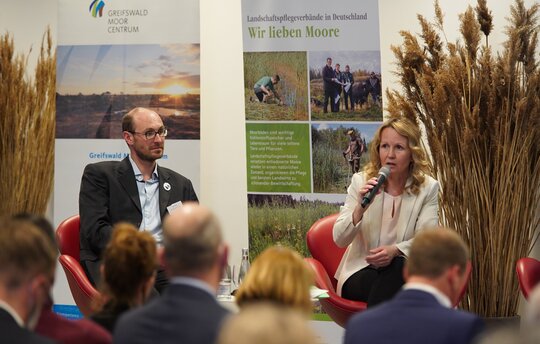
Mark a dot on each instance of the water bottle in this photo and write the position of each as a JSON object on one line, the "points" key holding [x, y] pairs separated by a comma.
{"points": [[244, 266], [224, 288]]}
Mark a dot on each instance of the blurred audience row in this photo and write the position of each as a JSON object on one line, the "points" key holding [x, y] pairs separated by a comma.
{"points": [[274, 299]]}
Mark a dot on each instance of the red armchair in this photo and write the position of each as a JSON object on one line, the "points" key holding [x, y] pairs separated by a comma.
{"points": [[67, 237], [528, 272], [326, 257]]}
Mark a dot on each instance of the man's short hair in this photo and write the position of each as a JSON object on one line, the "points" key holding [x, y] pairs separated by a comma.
{"points": [[434, 251], [40, 222], [276, 77], [127, 120], [25, 251], [195, 249]]}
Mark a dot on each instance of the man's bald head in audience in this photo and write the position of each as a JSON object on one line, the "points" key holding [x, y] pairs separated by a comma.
{"points": [[193, 242]]}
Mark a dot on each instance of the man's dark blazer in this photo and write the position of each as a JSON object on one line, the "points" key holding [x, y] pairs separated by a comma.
{"points": [[328, 84], [183, 314], [412, 316], [11, 332], [109, 195]]}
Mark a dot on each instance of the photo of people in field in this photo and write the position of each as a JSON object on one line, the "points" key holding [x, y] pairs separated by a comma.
{"points": [[339, 151], [345, 86], [275, 86], [285, 219], [98, 84]]}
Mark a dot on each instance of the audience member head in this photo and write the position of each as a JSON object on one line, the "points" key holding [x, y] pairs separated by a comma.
{"points": [[280, 275], [129, 267], [406, 128], [40, 222], [46, 228], [266, 323], [439, 257], [27, 267], [193, 244]]}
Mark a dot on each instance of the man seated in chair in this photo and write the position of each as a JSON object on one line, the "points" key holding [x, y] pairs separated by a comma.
{"points": [[436, 272], [135, 190]]}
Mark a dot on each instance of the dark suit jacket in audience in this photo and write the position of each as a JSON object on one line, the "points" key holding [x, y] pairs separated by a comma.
{"points": [[183, 314], [12, 333], [415, 317]]}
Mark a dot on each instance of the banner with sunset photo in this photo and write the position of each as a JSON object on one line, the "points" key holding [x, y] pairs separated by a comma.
{"points": [[113, 56]]}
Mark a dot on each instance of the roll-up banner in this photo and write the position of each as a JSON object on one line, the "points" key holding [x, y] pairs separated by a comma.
{"points": [[114, 55], [312, 80]]}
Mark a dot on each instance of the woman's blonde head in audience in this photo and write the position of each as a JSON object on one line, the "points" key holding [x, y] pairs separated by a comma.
{"points": [[266, 323], [280, 275], [129, 264]]}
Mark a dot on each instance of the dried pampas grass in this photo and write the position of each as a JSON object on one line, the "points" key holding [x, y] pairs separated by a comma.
{"points": [[27, 128], [481, 115]]}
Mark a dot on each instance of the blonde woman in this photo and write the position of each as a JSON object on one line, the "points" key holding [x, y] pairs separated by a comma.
{"points": [[128, 273], [278, 275], [267, 323], [379, 235]]}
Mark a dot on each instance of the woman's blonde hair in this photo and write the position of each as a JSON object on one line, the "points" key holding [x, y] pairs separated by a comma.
{"points": [[279, 274], [418, 168], [267, 323], [129, 261]]}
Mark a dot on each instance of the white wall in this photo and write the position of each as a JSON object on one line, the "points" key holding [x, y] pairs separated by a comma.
{"points": [[223, 148], [223, 161]]}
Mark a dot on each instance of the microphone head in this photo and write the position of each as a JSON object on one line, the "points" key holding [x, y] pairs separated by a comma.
{"points": [[385, 170]]}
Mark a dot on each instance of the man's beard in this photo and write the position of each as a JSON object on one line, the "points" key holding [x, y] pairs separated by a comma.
{"points": [[148, 156]]}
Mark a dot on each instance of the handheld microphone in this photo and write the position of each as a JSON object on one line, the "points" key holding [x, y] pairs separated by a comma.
{"points": [[384, 172]]}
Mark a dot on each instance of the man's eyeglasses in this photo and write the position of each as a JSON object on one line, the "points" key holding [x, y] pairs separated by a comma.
{"points": [[151, 134]]}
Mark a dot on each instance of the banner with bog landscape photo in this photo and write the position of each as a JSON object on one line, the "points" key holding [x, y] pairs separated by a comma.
{"points": [[113, 56], [306, 138]]}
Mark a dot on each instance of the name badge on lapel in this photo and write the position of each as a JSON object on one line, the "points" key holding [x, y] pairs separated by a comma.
{"points": [[173, 206]]}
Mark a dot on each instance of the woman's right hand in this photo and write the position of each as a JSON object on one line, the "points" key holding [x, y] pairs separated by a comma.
{"points": [[370, 184], [358, 210]]}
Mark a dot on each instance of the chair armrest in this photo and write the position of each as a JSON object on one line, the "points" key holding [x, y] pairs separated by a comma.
{"points": [[345, 304], [338, 308], [322, 280], [75, 272], [528, 272]]}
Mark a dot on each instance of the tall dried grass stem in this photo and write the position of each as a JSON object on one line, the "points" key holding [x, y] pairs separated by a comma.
{"points": [[27, 128]]}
